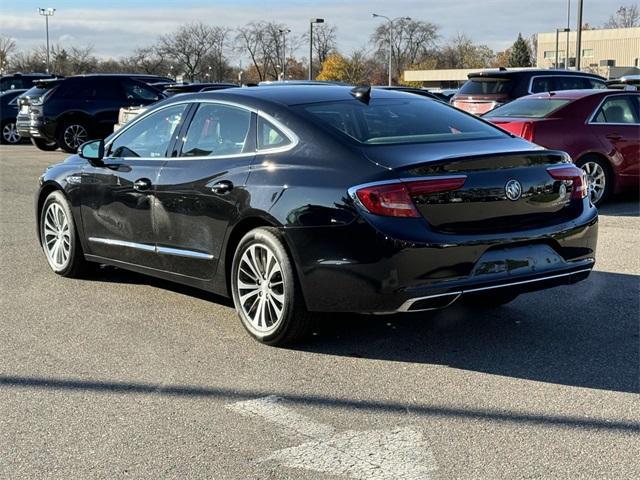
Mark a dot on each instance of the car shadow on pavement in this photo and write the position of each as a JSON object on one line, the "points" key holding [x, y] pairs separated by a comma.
{"points": [[627, 205], [584, 335]]}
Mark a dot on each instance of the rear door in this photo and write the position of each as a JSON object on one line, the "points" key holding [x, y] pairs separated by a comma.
{"points": [[616, 123], [118, 199], [203, 188]]}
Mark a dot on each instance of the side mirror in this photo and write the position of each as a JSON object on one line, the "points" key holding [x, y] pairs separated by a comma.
{"points": [[93, 151]]}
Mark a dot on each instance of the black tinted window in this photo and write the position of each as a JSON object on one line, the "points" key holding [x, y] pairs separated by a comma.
{"points": [[151, 136], [542, 84], [134, 90], [484, 86], [400, 121], [217, 130], [572, 83]]}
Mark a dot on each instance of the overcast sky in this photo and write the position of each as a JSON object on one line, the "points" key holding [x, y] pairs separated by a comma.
{"points": [[116, 27]]}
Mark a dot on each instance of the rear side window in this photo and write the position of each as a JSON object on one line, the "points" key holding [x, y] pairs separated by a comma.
{"points": [[528, 108], [217, 130], [572, 83], [270, 136], [617, 109], [400, 121], [486, 86], [90, 89], [542, 84]]}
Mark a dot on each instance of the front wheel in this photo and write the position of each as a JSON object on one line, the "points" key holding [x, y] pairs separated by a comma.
{"points": [[59, 238], [265, 291], [44, 145]]}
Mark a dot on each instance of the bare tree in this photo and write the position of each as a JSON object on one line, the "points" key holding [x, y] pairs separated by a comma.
{"points": [[411, 42], [147, 60], [7, 47], [191, 45], [264, 44], [461, 52], [625, 17]]}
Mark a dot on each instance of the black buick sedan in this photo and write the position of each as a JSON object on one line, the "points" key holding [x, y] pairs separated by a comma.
{"points": [[297, 200]]}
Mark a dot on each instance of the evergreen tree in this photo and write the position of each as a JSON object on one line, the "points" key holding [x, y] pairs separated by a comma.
{"points": [[520, 53]]}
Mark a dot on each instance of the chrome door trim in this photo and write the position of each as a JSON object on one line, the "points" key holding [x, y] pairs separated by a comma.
{"points": [[153, 248]]}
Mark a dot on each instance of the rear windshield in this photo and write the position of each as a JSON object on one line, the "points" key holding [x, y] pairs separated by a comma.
{"points": [[486, 86], [528, 108], [388, 121]]}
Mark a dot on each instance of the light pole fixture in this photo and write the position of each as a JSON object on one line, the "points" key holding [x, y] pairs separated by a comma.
{"points": [[46, 13], [568, 29], [566, 58], [579, 36], [311, 22], [283, 32], [375, 15]]}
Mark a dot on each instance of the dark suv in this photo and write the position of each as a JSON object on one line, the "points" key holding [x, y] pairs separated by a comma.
{"points": [[68, 112], [20, 81], [489, 89]]}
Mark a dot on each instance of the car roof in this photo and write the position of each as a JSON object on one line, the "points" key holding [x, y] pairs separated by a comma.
{"points": [[577, 94], [530, 72], [298, 94]]}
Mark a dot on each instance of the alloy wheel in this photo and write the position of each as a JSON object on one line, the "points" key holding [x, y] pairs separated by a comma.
{"points": [[10, 133], [75, 135], [56, 236], [597, 180], [261, 288]]}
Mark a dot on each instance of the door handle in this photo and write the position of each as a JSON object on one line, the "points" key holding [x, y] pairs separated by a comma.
{"points": [[142, 184], [221, 187], [614, 136]]}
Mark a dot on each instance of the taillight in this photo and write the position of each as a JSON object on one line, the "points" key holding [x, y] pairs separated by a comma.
{"points": [[528, 131], [571, 176], [394, 199]]}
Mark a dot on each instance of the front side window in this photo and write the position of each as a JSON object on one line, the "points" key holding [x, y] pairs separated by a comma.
{"points": [[387, 121], [217, 130], [151, 136], [270, 136], [137, 91], [617, 109]]}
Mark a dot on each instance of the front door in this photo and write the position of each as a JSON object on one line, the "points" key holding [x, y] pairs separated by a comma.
{"points": [[118, 198], [202, 189]]}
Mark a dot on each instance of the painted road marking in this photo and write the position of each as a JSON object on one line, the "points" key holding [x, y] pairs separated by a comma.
{"points": [[370, 455]]}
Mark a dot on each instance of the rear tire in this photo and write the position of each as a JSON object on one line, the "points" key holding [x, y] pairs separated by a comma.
{"points": [[10, 133], [59, 237], [265, 291], [72, 134], [44, 145], [599, 176], [489, 300]]}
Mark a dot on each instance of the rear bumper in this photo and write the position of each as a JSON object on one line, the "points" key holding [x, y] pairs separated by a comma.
{"points": [[358, 269]]}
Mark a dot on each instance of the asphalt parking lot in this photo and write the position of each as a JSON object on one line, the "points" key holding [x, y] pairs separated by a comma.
{"points": [[123, 376]]}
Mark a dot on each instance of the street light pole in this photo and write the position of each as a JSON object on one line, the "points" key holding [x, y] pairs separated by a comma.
{"points": [[568, 29], [284, 32], [311, 22], [375, 15], [46, 13], [579, 36]]}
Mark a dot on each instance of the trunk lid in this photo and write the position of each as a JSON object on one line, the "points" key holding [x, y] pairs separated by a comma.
{"points": [[502, 192]]}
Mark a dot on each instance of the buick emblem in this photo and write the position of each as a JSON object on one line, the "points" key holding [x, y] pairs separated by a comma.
{"points": [[513, 189]]}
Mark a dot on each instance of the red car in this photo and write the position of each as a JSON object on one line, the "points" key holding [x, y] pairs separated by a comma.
{"points": [[600, 129]]}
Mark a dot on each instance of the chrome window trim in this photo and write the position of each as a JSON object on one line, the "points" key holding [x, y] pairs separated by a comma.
{"points": [[179, 252], [555, 75], [293, 138], [597, 109]]}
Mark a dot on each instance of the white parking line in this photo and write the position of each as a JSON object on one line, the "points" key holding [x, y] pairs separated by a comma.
{"points": [[399, 453]]}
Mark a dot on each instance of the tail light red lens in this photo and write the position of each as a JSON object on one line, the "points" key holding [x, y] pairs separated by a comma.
{"points": [[573, 176], [395, 199], [528, 131]]}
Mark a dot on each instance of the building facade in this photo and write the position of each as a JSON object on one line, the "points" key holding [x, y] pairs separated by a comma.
{"points": [[601, 49]]}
